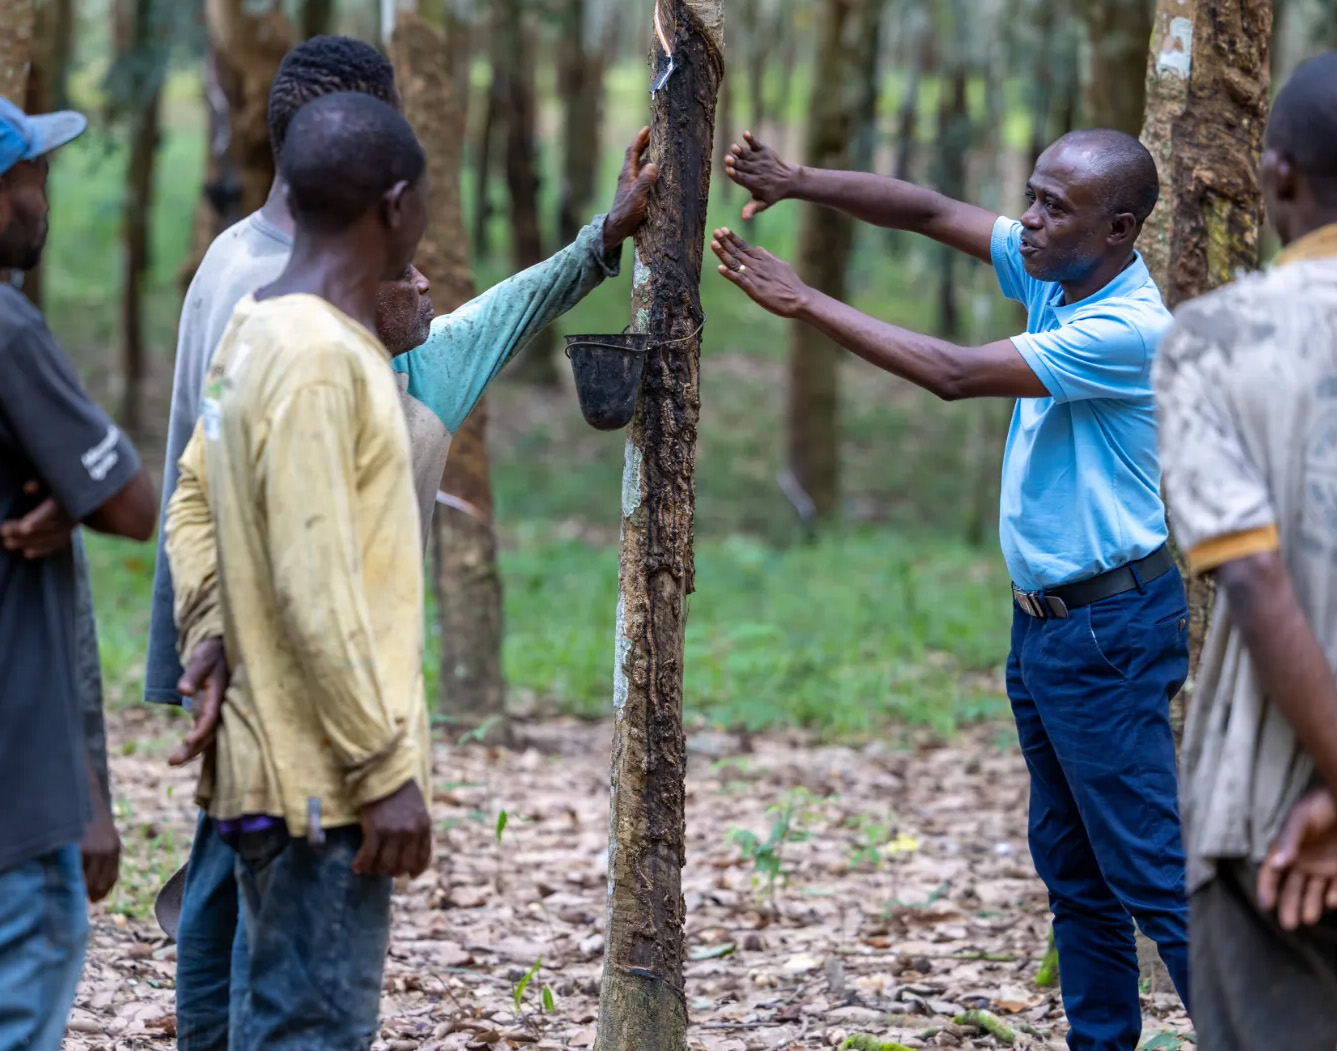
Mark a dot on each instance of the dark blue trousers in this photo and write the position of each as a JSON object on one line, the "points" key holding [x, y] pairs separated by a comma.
{"points": [[1091, 696]]}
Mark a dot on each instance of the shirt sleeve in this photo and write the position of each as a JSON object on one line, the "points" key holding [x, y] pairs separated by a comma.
{"points": [[1095, 355], [192, 551], [1218, 498], [75, 448], [1005, 249], [468, 347], [308, 478]]}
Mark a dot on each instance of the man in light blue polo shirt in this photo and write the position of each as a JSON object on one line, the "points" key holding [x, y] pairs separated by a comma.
{"points": [[1099, 644]]}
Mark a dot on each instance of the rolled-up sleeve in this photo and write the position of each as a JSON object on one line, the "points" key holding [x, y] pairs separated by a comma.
{"points": [[308, 482]]}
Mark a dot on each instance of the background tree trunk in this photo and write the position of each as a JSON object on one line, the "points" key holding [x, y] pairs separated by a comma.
{"points": [[847, 47], [16, 47], [955, 132], [249, 43], [643, 1006], [580, 73], [317, 18], [468, 583], [1115, 90], [219, 204], [922, 58], [135, 89], [1207, 102], [492, 125], [513, 58]]}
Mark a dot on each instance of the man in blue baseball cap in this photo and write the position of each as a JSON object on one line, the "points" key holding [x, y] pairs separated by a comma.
{"points": [[57, 448]]}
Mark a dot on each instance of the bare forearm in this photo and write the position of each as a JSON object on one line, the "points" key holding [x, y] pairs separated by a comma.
{"points": [[1290, 661], [944, 369], [898, 205]]}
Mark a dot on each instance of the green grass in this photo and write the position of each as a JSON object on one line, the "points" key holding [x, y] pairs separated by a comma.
{"points": [[847, 636]]}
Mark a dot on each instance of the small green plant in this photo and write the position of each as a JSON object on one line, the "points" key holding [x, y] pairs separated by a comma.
{"points": [[502, 818], [787, 820], [519, 992], [871, 838]]}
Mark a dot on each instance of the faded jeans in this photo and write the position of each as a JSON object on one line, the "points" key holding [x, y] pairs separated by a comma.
{"points": [[43, 934], [317, 936]]}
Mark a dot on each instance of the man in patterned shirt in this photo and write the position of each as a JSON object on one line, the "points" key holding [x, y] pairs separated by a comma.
{"points": [[1246, 385]]}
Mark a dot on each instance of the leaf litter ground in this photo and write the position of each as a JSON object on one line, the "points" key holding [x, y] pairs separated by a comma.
{"points": [[904, 896]]}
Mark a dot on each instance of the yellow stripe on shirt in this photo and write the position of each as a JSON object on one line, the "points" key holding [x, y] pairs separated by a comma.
{"points": [[1211, 554]]}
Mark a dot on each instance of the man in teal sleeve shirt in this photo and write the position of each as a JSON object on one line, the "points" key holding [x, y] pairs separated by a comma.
{"points": [[440, 381], [1099, 641]]}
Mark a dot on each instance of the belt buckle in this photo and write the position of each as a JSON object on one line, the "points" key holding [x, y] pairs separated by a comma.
{"points": [[1029, 603], [1057, 607]]}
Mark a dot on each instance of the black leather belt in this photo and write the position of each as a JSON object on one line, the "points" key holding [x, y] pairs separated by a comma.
{"points": [[1056, 602]]}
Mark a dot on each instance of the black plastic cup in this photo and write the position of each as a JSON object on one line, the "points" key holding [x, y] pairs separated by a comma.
{"points": [[608, 376]]}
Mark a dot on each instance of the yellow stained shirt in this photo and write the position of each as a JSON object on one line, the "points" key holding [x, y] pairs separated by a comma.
{"points": [[294, 534]]}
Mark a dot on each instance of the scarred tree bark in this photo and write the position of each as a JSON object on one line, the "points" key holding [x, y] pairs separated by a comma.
{"points": [[643, 1005], [468, 583], [1114, 92], [849, 29], [1207, 101]]}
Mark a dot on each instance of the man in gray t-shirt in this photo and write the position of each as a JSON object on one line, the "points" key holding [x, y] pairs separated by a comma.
{"points": [[1246, 387], [55, 443]]}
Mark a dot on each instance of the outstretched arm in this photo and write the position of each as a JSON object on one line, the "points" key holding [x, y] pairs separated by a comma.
{"points": [[468, 347], [869, 198], [945, 369]]}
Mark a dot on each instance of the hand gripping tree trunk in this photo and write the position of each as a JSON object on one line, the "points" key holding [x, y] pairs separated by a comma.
{"points": [[468, 583], [846, 57], [643, 1006]]}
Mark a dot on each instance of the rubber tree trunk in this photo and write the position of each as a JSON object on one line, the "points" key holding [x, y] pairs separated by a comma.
{"points": [[955, 133], [142, 67], [1207, 89], [847, 30], [468, 583], [1207, 83], [491, 126], [317, 18], [643, 1004], [219, 203], [513, 58], [48, 79], [249, 41], [580, 73], [16, 45], [1114, 92]]}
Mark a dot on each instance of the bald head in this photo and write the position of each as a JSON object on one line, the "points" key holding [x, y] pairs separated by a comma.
{"points": [[1122, 173]]}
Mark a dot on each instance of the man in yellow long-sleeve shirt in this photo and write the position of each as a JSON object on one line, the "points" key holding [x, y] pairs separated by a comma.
{"points": [[294, 534]]}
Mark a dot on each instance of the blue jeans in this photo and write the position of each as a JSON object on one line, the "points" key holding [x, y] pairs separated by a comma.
{"points": [[210, 945], [1091, 696], [43, 934], [317, 936]]}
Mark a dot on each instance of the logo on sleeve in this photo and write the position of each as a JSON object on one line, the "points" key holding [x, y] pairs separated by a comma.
{"points": [[99, 460]]}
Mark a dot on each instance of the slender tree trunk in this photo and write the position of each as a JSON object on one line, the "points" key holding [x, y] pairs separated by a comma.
{"points": [[580, 73], [493, 124], [16, 46], [1115, 90], [759, 44], [513, 58], [1207, 101], [48, 75], [923, 58], [643, 1006], [249, 41], [468, 583], [785, 32], [219, 204], [724, 136], [317, 18], [847, 31], [954, 138]]}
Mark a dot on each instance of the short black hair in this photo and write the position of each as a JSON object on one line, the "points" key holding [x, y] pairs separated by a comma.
{"points": [[1303, 125], [344, 152], [322, 66], [1125, 168]]}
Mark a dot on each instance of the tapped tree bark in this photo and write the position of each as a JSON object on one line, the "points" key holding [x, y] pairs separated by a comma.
{"points": [[847, 47], [1207, 85], [468, 583], [1114, 92], [643, 1005]]}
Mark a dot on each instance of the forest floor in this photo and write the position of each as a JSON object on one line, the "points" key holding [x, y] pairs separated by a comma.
{"points": [[905, 896]]}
